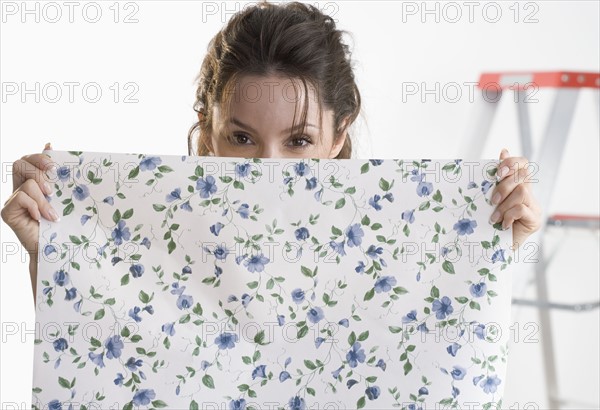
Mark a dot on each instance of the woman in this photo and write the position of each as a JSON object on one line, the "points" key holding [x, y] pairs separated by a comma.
{"points": [[266, 61]]}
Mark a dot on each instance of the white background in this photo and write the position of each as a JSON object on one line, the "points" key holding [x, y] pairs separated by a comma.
{"points": [[161, 53]]}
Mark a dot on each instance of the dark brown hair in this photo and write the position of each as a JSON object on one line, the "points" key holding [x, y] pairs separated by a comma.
{"points": [[292, 40]]}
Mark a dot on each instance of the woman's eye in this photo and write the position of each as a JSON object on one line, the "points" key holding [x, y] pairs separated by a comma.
{"points": [[239, 139], [301, 142]]}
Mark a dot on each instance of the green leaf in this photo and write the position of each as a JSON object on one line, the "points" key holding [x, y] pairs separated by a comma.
{"points": [[64, 382], [68, 209], [128, 214], [99, 314], [309, 364], [448, 266], [134, 172], [193, 405], [165, 168], [159, 404], [369, 295], [208, 381], [435, 292], [159, 207], [125, 279], [360, 403], [340, 203], [75, 239], [116, 216], [384, 185]]}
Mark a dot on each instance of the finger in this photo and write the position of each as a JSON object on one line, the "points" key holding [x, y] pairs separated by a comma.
{"points": [[521, 213], [519, 195], [20, 200], [510, 165], [24, 170], [32, 189], [503, 189]]}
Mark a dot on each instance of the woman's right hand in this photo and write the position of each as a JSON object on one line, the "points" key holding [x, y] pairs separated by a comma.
{"points": [[27, 204]]}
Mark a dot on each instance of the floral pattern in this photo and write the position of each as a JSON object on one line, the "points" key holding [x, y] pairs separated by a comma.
{"points": [[241, 283]]}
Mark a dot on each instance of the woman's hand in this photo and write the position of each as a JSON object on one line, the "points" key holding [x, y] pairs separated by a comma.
{"points": [[515, 204], [27, 204]]}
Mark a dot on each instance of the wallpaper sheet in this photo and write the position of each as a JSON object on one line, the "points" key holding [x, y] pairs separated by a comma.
{"points": [[191, 282]]}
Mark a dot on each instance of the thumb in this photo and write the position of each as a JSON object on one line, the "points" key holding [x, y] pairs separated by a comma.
{"points": [[503, 154], [48, 146]]}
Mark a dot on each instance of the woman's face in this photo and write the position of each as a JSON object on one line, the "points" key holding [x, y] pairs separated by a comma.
{"points": [[262, 111]]}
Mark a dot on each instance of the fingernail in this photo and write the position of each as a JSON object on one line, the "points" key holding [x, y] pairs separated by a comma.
{"points": [[53, 215], [503, 171], [47, 146], [495, 217], [496, 198], [48, 189]]}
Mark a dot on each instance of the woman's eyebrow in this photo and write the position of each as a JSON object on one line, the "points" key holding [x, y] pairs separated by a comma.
{"points": [[249, 128]]}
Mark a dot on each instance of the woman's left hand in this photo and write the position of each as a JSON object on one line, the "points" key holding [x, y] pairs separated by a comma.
{"points": [[515, 204]]}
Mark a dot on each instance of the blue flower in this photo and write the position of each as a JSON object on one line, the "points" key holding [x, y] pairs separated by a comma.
{"points": [[301, 234], [132, 364], [478, 289], [338, 247], [372, 392], [444, 251], [360, 268], [121, 233], [344, 322], [318, 341], [336, 372], [119, 380], [453, 348], [416, 177], [374, 202], [458, 373], [84, 219], [54, 405], [146, 242], [237, 404], [465, 226], [373, 251], [354, 234], [97, 359], [498, 256], [246, 298], [410, 316], [384, 284], [389, 196], [318, 195], [423, 391], [204, 364], [479, 329], [442, 308], [216, 228], [455, 391], [136, 270], [185, 301], [471, 185], [175, 194], [424, 188], [351, 383], [408, 215], [243, 210], [63, 173], [355, 354], [60, 344], [48, 249], [109, 200], [221, 252], [61, 277], [485, 186], [477, 378], [70, 294], [298, 295], [143, 397], [382, 364], [311, 183], [315, 314], [256, 263], [80, 192], [297, 403], [169, 328], [259, 371], [280, 320], [376, 162], [226, 340], [206, 186], [301, 169], [186, 206], [186, 270], [113, 345], [242, 170], [133, 313], [490, 384], [423, 327], [284, 375], [149, 163]]}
